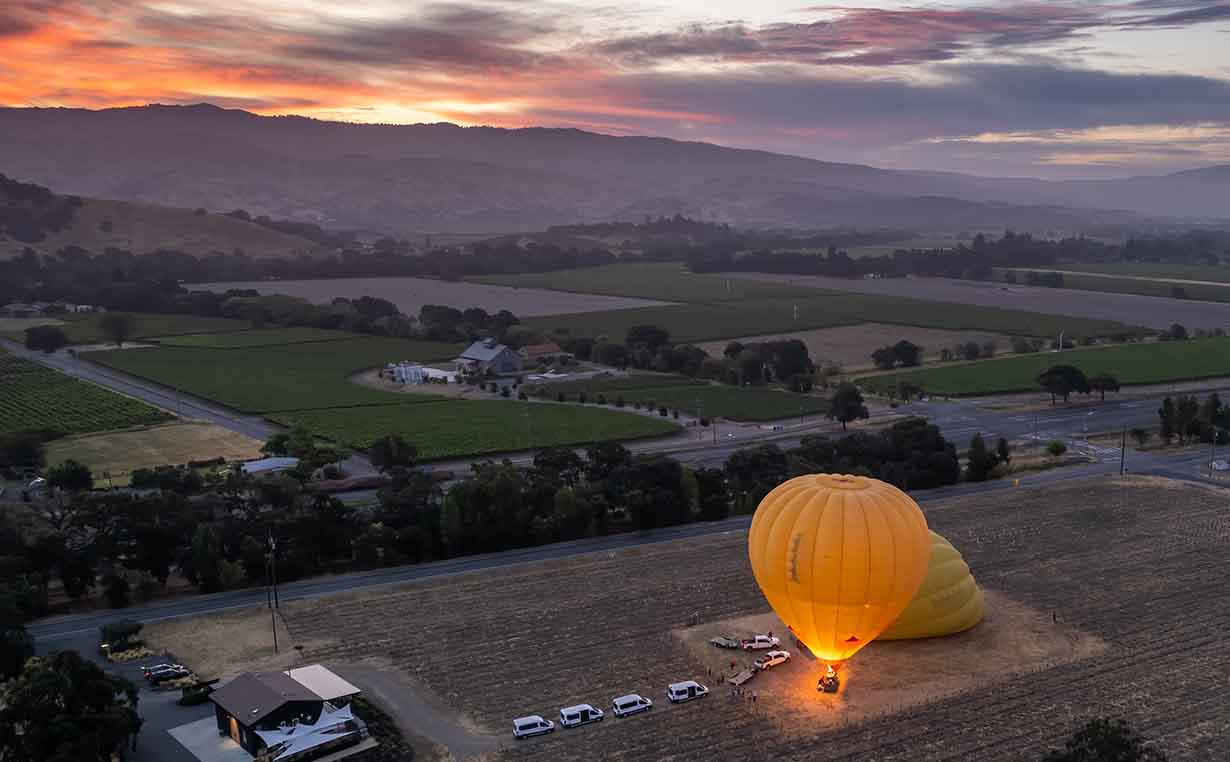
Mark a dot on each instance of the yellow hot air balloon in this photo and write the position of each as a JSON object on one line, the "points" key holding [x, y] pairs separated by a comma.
{"points": [[839, 558], [948, 600]]}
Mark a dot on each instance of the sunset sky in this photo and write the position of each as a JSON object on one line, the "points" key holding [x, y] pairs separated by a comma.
{"points": [[1047, 88]]}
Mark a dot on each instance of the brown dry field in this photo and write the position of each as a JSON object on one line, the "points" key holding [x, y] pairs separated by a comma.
{"points": [[176, 443], [410, 294], [1135, 570], [226, 645], [852, 345]]}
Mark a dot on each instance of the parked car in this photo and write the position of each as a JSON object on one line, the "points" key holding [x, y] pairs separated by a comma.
{"points": [[173, 673], [772, 659], [633, 703], [581, 714], [151, 669], [685, 691], [533, 725], [760, 642], [726, 641]]}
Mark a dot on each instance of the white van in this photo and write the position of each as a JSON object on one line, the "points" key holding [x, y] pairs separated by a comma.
{"points": [[533, 725], [685, 691], [633, 703], [581, 714]]}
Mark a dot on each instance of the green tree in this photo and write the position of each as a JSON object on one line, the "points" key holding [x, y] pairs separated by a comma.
{"points": [[207, 559], [847, 405], [391, 451], [46, 338], [70, 476], [1141, 436], [1104, 740], [1056, 447], [1003, 451], [1103, 383], [117, 326], [907, 353], [16, 645], [884, 358], [981, 461], [713, 495], [1062, 380], [1169, 418], [648, 336], [62, 707], [21, 450]]}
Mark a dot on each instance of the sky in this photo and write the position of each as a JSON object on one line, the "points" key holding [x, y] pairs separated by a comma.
{"points": [[1044, 88]]}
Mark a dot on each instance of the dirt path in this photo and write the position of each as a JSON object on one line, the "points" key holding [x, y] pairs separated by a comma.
{"points": [[415, 715]]}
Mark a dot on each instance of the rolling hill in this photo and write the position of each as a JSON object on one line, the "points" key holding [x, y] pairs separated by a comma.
{"points": [[442, 177], [32, 217]]}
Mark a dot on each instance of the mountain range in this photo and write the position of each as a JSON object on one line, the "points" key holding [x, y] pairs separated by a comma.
{"points": [[442, 177]]}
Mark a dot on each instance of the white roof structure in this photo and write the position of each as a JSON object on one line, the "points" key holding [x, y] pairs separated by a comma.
{"points": [[322, 682], [265, 465], [296, 739]]}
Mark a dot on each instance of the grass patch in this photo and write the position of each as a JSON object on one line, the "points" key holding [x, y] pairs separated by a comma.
{"points": [[1215, 273], [33, 396], [1150, 363], [449, 428], [266, 337], [83, 329], [1205, 292], [689, 396], [276, 378]]}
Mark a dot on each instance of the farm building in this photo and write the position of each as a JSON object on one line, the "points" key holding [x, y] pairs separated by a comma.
{"points": [[269, 465], [295, 715], [416, 373], [536, 354], [488, 355]]}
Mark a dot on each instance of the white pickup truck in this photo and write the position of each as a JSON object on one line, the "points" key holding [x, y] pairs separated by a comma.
{"points": [[760, 643]]}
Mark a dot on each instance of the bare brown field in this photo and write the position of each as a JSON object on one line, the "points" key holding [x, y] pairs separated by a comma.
{"points": [[888, 677], [1137, 564], [1132, 309], [226, 645], [122, 452], [851, 345], [410, 294]]}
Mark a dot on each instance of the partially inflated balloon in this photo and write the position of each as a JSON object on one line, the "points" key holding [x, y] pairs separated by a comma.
{"points": [[838, 558], [948, 600]]}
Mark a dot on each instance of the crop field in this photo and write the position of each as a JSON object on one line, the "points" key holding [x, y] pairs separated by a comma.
{"points": [[711, 400], [266, 337], [448, 428], [1148, 363], [666, 281], [1212, 273], [410, 294], [1209, 292], [276, 378], [1136, 563], [84, 329], [119, 453], [36, 397]]}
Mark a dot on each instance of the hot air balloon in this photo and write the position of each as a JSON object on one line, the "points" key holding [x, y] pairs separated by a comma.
{"points": [[947, 602], [838, 558]]}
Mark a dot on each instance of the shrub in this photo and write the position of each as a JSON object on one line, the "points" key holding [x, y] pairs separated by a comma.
{"points": [[582, 397], [1056, 448], [505, 392], [601, 399], [675, 414], [662, 411], [704, 422], [619, 401], [559, 397]]}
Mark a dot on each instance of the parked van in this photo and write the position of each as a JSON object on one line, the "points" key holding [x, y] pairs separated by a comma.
{"points": [[685, 691], [633, 703], [581, 714], [533, 725]]}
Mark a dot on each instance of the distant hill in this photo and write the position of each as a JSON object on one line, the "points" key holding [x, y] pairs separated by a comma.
{"points": [[441, 177], [33, 216]]}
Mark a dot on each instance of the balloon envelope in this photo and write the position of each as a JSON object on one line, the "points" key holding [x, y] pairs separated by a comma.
{"points": [[948, 600], [838, 558]]}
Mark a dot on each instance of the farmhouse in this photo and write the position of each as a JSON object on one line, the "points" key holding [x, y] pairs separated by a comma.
{"points": [[295, 715], [536, 354], [488, 355]]}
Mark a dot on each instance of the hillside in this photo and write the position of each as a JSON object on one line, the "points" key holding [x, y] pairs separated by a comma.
{"points": [[441, 177], [34, 217]]}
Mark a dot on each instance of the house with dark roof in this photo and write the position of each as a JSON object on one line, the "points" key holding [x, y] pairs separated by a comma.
{"points": [[271, 712], [488, 355]]}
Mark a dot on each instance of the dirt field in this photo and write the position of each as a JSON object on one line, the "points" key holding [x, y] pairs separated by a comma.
{"points": [[1137, 564], [226, 645], [409, 294], [122, 452], [851, 345], [1150, 311]]}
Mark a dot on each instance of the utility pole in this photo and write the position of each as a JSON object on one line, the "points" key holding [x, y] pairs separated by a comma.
{"points": [[700, 430], [1123, 452], [273, 566]]}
